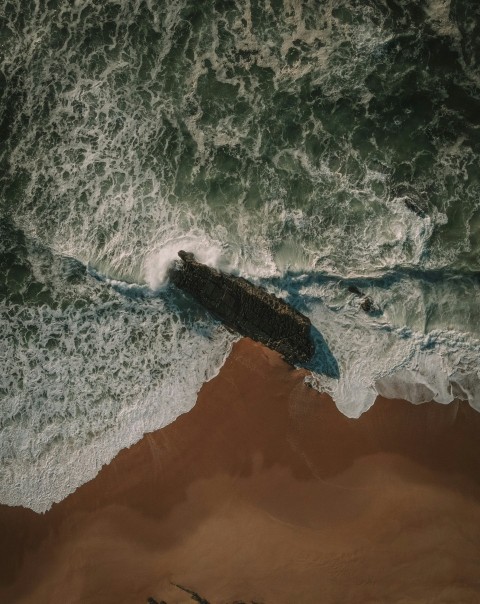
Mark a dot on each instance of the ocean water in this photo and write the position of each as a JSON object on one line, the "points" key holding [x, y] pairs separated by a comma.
{"points": [[310, 146]]}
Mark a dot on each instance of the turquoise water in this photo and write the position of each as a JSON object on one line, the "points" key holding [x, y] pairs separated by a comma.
{"points": [[308, 146]]}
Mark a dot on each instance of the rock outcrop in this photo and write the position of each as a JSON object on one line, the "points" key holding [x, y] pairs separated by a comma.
{"points": [[246, 308]]}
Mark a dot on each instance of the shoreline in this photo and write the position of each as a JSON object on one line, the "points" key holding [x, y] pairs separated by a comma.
{"points": [[264, 491]]}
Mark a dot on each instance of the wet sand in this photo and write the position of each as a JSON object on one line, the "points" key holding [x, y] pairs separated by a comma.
{"points": [[264, 492]]}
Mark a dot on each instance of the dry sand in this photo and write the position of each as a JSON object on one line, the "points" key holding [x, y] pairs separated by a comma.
{"points": [[264, 492]]}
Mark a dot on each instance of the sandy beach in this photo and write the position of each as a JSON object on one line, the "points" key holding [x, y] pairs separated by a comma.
{"points": [[265, 493]]}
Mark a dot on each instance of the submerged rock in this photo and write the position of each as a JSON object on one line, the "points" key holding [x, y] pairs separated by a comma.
{"points": [[353, 289], [413, 207], [367, 304], [246, 308]]}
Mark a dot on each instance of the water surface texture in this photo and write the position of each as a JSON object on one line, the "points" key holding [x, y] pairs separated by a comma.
{"points": [[309, 146]]}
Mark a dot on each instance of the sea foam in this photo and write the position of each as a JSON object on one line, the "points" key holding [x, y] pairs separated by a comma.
{"points": [[87, 380]]}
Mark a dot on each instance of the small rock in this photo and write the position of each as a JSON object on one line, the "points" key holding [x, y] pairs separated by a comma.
{"points": [[353, 289], [367, 304]]}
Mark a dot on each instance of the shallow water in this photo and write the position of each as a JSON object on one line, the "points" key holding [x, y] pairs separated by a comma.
{"points": [[309, 146]]}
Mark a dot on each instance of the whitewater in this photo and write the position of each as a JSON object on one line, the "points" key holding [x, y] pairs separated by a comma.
{"points": [[309, 147]]}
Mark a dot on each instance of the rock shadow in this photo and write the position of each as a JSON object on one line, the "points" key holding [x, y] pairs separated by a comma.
{"points": [[323, 360]]}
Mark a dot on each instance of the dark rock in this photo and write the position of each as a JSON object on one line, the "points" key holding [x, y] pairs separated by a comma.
{"points": [[153, 601], [246, 308], [353, 289], [367, 304]]}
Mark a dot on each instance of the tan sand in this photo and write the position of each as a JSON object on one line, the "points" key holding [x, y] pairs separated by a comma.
{"points": [[264, 492]]}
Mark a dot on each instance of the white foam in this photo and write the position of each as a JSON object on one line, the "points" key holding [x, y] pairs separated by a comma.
{"points": [[376, 358], [158, 262], [84, 383]]}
